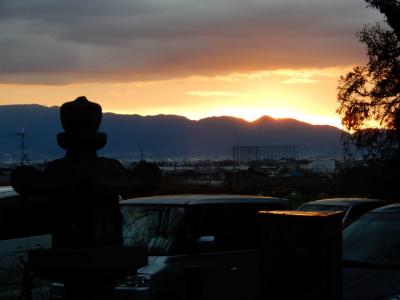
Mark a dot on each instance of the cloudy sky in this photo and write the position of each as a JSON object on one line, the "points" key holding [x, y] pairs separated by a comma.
{"points": [[195, 58]]}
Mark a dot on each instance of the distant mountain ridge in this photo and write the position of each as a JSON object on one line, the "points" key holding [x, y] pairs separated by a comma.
{"points": [[164, 135]]}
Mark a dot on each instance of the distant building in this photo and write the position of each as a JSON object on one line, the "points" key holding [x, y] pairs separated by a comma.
{"points": [[258, 153], [197, 177], [326, 166]]}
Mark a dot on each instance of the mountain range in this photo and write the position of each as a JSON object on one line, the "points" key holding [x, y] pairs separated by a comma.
{"points": [[163, 136]]}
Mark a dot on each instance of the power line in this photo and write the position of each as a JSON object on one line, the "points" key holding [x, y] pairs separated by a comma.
{"points": [[23, 137]]}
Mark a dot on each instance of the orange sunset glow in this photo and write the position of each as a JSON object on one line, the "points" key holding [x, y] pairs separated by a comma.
{"points": [[306, 95], [186, 59]]}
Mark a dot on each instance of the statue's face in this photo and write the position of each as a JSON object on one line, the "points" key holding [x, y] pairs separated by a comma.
{"points": [[81, 115]]}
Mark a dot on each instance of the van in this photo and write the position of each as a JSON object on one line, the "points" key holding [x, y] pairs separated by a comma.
{"points": [[199, 246]]}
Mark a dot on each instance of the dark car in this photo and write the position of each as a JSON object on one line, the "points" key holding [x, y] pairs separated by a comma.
{"points": [[352, 208], [193, 239], [214, 234], [371, 256]]}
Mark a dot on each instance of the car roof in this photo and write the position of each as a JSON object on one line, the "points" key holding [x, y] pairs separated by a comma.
{"points": [[394, 207], [205, 199], [345, 201], [7, 191]]}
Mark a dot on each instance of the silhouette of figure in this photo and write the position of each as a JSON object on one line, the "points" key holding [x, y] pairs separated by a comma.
{"points": [[84, 191], [85, 187]]}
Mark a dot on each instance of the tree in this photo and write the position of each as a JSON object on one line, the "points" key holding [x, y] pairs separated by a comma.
{"points": [[370, 93], [391, 9]]}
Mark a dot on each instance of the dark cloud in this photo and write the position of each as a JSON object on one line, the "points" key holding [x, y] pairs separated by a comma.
{"points": [[47, 41]]}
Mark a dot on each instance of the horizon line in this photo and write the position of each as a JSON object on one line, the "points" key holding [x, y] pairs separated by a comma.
{"points": [[186, 116]]}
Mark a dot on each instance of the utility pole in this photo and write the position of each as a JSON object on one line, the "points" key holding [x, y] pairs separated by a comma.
{"points": [[22, 146], [141, 154], [22, 134]]}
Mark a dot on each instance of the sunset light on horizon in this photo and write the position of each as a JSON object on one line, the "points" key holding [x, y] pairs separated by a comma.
{"points": [[307, 95], [184, 58]]}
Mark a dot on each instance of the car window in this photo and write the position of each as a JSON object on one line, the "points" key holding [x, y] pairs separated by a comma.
{"points": [[374, 238], [244, 226], [234, 227], [23, 217], [39, 216], [358, 210], [152, 226], [213, 222], [10, 219]]}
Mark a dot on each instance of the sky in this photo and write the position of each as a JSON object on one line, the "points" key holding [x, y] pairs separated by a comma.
{"points": [[243, 58]]}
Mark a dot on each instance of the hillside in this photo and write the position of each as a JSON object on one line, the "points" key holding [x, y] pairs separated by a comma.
{"points": [[163, 135]]}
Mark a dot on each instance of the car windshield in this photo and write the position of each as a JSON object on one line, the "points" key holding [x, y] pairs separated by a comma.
{"points": [[151, 226], [322, 207], [374, 239]]}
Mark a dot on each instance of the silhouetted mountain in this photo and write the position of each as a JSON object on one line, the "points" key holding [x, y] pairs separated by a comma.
{"points": [[163, 135]]}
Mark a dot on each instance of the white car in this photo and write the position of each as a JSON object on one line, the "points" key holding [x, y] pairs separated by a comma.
{"points": [[22, 227]]}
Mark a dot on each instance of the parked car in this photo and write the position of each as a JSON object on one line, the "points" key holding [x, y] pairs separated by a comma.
{"points": [[371, 256], [352, 208], [205, 244], [22, 227]]}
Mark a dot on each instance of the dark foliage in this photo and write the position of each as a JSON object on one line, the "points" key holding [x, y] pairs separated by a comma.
{"points": [[370, 94], [373, 179], [391, 9]]}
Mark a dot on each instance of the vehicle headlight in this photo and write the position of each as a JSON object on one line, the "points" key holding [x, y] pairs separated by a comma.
{"points": [[138, 280]]}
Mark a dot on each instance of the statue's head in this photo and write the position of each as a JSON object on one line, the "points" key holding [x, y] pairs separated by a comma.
{"points": [[80, 115], [81, 121]]}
